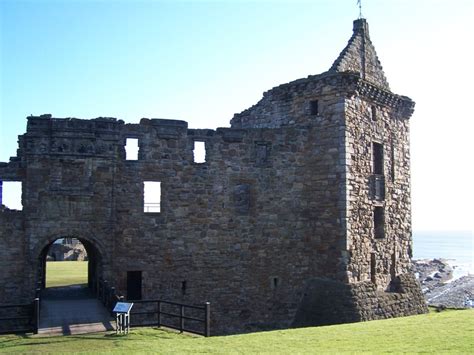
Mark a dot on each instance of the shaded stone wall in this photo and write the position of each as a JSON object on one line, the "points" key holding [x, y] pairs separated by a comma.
{"points": [[243, 223], [13, 258]]}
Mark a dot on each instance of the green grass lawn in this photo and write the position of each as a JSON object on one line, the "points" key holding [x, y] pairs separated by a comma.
{"points": [[448, 331], [65, 273]]}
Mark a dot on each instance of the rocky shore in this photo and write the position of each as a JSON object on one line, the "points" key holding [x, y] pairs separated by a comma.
{"points": [[439, 286]]}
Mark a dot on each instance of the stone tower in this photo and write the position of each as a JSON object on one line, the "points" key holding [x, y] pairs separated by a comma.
{"points": [[299, 215]]}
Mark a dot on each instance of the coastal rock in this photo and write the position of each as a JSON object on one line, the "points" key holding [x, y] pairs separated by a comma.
{"points": [[438, 286]]}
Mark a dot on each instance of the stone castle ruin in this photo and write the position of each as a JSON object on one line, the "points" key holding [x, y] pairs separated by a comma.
{"points": [[299, 215]]}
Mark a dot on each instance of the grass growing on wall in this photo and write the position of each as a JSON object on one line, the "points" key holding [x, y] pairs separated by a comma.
{"points": [[66, 273], [445, 332]]}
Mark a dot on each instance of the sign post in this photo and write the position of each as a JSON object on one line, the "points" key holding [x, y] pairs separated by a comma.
{"points": [[122, 317]]}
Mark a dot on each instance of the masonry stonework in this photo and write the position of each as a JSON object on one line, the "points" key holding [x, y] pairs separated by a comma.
{"points": [[286, 223]]}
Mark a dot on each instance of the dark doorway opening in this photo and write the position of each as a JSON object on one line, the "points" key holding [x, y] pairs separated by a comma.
{"points": [[134, 285]]}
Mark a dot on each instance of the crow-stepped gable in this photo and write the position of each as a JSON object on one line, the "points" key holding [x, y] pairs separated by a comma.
{"points": [[298, 215]]}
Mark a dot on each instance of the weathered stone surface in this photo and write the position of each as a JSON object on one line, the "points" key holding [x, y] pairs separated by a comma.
{"points": [[279, 216]]}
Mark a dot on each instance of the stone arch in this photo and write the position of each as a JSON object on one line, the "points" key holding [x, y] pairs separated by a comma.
{"points": [[95, 249]]}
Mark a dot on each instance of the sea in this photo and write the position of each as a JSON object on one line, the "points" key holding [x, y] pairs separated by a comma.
{"points": [[455, 246]]}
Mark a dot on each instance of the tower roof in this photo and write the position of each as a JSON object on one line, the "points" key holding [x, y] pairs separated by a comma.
{"points": [[359, 56]]}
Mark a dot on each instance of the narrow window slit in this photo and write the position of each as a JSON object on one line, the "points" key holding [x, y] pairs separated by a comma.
{"points": [[314, 107]]}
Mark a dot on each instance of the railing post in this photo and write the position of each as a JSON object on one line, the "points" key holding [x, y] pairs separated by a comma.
{"points": [[181, 318], [36, 315], [207, 318], [159, 313]]}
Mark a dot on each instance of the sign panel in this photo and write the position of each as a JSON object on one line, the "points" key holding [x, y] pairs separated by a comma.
{"points": [[122, 307]]}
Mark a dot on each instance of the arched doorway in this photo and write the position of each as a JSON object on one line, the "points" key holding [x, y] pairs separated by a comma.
{"points": [[54, 250], [71, 308]]}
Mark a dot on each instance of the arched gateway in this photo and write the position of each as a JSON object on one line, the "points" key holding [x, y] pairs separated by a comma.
{"points": [[298, 215], [95, 253]]}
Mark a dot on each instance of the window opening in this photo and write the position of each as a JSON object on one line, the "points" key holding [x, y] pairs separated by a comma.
{"points": [[276, 282], [372, 268], [199, 152], [379, 225], [392, 159], [131, 149], [183, 288], [377, 158], [373, 113], [314, 107], [10, 194], [152, 196], [134, 285]]}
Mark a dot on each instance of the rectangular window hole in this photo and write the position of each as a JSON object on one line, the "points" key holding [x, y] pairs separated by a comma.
{"points": [[152, 197], [199, 152], [183, 288], [10, 194], [131, 149], [379, 223], [373, 113], [314, 107], [377, 156]]}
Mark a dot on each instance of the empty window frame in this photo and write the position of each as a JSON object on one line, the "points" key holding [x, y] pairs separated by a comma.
{"points": [[373, 113], [377, 155], [10, 195], [131, 149], [314, 107], [152, 196], [379, 222], [199, 152]]}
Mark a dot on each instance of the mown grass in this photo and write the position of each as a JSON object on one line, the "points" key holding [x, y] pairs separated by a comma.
{"points": [[449, 331], [66, 273]]}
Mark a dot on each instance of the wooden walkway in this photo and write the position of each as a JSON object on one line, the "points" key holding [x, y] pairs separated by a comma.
{"points": [[72, 310]]}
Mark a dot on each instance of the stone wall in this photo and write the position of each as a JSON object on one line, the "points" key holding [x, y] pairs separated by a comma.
{"points": [[276, 227]]}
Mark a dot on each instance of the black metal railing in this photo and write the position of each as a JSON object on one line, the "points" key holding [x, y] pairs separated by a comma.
{"points": [[194, 319], [21, 317]]}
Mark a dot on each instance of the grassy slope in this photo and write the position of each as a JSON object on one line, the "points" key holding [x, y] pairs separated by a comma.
{"points": [[64, 273], [449, 331]]}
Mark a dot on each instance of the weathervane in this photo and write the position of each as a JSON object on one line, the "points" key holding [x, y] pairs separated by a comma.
{"points": [[359, 2]]}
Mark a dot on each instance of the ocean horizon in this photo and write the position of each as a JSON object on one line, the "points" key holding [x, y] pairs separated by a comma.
{"points": [[455, 246]]}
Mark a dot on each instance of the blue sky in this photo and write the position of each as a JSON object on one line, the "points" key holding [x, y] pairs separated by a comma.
{"points": [[203, 61]]}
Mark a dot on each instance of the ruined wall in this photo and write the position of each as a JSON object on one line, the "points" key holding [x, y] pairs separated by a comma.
{"points": [[243, 230]]}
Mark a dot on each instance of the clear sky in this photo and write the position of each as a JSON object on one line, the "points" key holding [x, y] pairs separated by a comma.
{"points": [[203, 61]]}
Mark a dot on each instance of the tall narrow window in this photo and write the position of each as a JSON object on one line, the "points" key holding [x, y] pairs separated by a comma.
{"points": [[377, 158], [392, 160], [373, 268], [152, 196], [373, 113], [199, 152], [131, 149], [379, 223], [314, 107], [11, 195]]}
